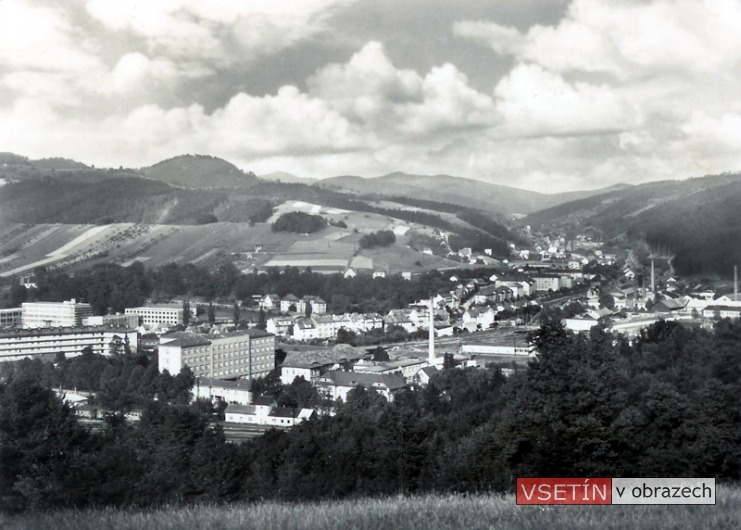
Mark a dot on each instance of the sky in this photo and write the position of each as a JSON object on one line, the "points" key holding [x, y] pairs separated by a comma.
{"points": [[547, 95]]}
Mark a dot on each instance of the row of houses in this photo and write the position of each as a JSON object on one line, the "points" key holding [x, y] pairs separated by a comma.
{"points": [[293, 304], [323, 326]]}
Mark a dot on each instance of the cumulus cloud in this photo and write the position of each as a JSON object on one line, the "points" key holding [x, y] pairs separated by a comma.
{"points": [[224, 32], [502, 39], [536, 101], [371, 90], [608, 92], [625, 39]]}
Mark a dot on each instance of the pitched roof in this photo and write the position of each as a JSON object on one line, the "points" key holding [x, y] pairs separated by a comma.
{"points": [[263, 401], [233, 408], [284, 412], [188, 340]]}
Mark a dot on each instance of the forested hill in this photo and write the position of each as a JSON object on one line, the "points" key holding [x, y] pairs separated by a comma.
{"points": [[698, 220], [199, 171]]}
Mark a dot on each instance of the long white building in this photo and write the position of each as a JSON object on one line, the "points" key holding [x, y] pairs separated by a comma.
{"points": [[54, 314], [46, 343], [158, 314]]}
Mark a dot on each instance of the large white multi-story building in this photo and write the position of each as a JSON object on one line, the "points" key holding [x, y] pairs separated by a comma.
{"points": [[54, 314], [247, 353], [46, 343], [159, 314]]}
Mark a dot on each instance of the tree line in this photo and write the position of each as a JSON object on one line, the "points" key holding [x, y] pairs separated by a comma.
{"points": [[664, 404], [114, 287]]}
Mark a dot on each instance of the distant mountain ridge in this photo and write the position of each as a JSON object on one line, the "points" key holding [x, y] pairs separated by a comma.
{"points": [[456, 190], [282, 176]]}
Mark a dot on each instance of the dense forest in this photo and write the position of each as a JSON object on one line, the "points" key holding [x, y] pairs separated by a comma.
{"points": [[665, 404], [113, 287]]}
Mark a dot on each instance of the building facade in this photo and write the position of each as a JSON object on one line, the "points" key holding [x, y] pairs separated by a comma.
{"points": [[10, 318], [46, 343], [161, 314], [247, 353], [227, 391], [65, 314]]}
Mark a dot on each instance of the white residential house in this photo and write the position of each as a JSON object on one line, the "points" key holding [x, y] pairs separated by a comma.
{"points": [[289, 303], [318, 306], [265, 412], [270, 302], [281, 326], [222, 390], [401, 318], [337, 384], [484, 317]]}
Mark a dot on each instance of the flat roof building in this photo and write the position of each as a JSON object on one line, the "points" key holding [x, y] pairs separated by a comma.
{"points": [[168, 314], [55, 314], [249, 353], [46, 343]]}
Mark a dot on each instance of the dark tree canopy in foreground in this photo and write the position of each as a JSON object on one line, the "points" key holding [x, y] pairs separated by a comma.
{"points": [[591, 405]]}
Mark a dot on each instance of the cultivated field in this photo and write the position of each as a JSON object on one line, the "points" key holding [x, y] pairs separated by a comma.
{"points": [[433, 512], [73, 247]]}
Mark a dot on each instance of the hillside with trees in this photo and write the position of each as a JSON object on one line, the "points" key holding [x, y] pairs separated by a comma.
{"points": [[697, 220]]}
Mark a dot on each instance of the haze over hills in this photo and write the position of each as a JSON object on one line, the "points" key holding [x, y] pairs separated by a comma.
{"points": [[456, 190], [282, 176]]}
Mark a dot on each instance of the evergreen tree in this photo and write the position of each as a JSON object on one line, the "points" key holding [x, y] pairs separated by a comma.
{"points": [[211, 314], [262, 320], [236, 313]]}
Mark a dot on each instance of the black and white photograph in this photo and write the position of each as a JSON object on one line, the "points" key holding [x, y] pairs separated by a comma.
{"points": [[354, 264]]}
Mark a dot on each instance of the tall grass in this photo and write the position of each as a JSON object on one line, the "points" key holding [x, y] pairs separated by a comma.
{"points": [[429, 512]]}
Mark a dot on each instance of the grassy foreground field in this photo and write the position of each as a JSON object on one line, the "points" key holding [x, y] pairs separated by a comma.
{"points": [[423, 513]]}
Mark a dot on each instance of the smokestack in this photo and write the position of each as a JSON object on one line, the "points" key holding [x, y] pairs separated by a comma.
{"points": [[735, 283], [653, 278], [431, 356]]}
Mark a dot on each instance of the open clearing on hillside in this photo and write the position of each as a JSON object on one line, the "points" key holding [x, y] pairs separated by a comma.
{"points": [[432, 512]]}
